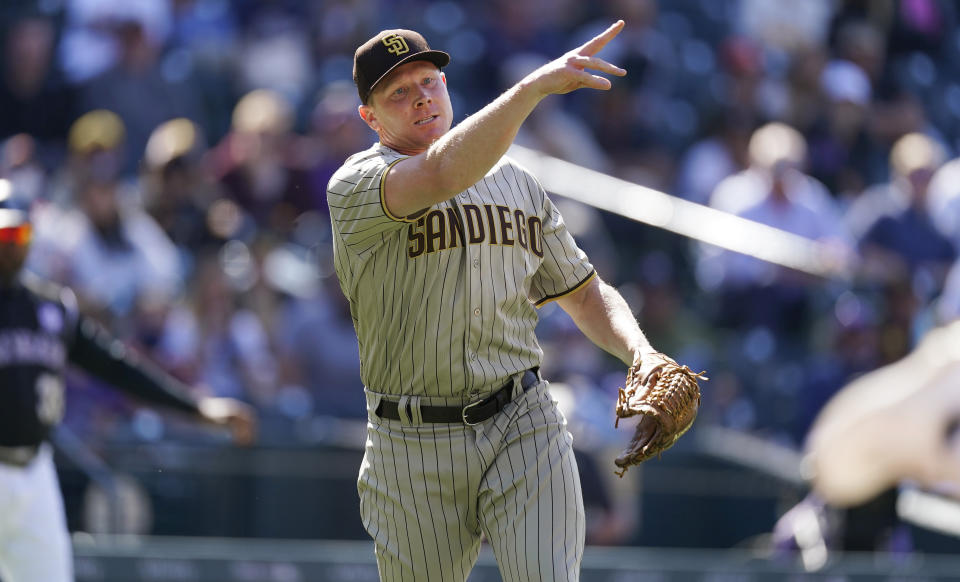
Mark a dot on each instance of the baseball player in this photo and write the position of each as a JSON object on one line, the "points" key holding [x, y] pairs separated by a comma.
{"points": [[444, 247], [41, 331]]}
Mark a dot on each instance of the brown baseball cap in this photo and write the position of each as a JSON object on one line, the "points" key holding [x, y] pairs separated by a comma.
{"points": [[386, 51]]}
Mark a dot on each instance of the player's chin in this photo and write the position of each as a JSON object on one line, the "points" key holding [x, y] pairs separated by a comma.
{"points": [[431, 131]]}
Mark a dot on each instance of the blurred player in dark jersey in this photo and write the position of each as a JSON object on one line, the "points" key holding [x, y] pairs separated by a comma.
{"points": [[41, 333]]}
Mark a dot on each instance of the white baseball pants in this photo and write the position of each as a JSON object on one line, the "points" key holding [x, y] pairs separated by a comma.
{"points": [[34, 542]]}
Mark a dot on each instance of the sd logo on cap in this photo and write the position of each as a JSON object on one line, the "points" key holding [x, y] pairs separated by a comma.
{"points": [[386, 51]]}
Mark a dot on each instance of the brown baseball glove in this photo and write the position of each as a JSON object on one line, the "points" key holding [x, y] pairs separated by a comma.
{"points": [[666, 395]]}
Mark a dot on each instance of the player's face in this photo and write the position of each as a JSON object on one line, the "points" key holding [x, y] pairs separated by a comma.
{"points": [[14, 244], [410, 109]]}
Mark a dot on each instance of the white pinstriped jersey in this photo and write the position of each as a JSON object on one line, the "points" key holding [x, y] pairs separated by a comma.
{"points": [[443, 301]]}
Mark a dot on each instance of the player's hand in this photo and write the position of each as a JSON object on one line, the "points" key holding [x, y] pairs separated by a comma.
{"points": [[240, 418], [572, 71]]}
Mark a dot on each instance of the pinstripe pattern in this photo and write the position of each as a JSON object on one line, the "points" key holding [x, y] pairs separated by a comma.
{"points": [[428, 491], [417, 319], [444, 305]]}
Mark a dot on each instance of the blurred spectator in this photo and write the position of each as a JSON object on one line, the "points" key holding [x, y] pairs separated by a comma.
{"points": [[106, 247], [19, 164], [805, 103], [943, 200], [647, 54], [773, 190], [177, 190], [203, 47], [666, 317], [210, 338], [136, 88], [767, 310], [90, 47], [335, 133], [860, 41], [894, 229], [317, 355], [274, 53], [844, 156], [720, 153], [34, 99], [117, 254], [901, 113], [849, 346], [742, 62], [922, 25], [261, 164], [205, 29], [94, 149], [785, 27]]}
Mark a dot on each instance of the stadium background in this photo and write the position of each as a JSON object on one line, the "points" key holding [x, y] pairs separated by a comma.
{"points": [[224, 275]]}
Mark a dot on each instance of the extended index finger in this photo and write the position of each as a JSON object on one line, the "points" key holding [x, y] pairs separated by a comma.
{"points": [[594, 45]]}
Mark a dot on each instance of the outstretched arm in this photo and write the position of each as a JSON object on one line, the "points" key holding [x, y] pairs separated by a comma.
{"points": [[466, 153], [94, 350], [604, 317]]}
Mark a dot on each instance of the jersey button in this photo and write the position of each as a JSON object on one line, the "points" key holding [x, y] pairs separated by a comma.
{"points": [[476, 263], [476, 312]]}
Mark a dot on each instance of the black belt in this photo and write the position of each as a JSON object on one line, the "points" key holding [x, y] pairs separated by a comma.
{"points": [[473, 413], [18, 456]]}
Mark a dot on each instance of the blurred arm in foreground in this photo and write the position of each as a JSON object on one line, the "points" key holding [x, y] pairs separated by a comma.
{"points": [[893, 425]]}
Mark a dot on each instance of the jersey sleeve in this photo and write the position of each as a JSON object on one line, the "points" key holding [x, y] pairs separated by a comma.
{"points": [[565, 268], [97, 352], [358, 210]]}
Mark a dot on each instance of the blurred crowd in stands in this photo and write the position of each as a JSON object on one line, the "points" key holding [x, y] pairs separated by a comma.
{"points": [[176, 153]]}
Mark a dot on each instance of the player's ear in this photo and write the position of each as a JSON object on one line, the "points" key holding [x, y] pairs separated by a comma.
{"points": [[369, 116], [443, 77]]}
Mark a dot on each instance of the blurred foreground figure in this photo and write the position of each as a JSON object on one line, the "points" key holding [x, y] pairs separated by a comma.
{"points": [[885, 437], [894, 425], [41, 332]]}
